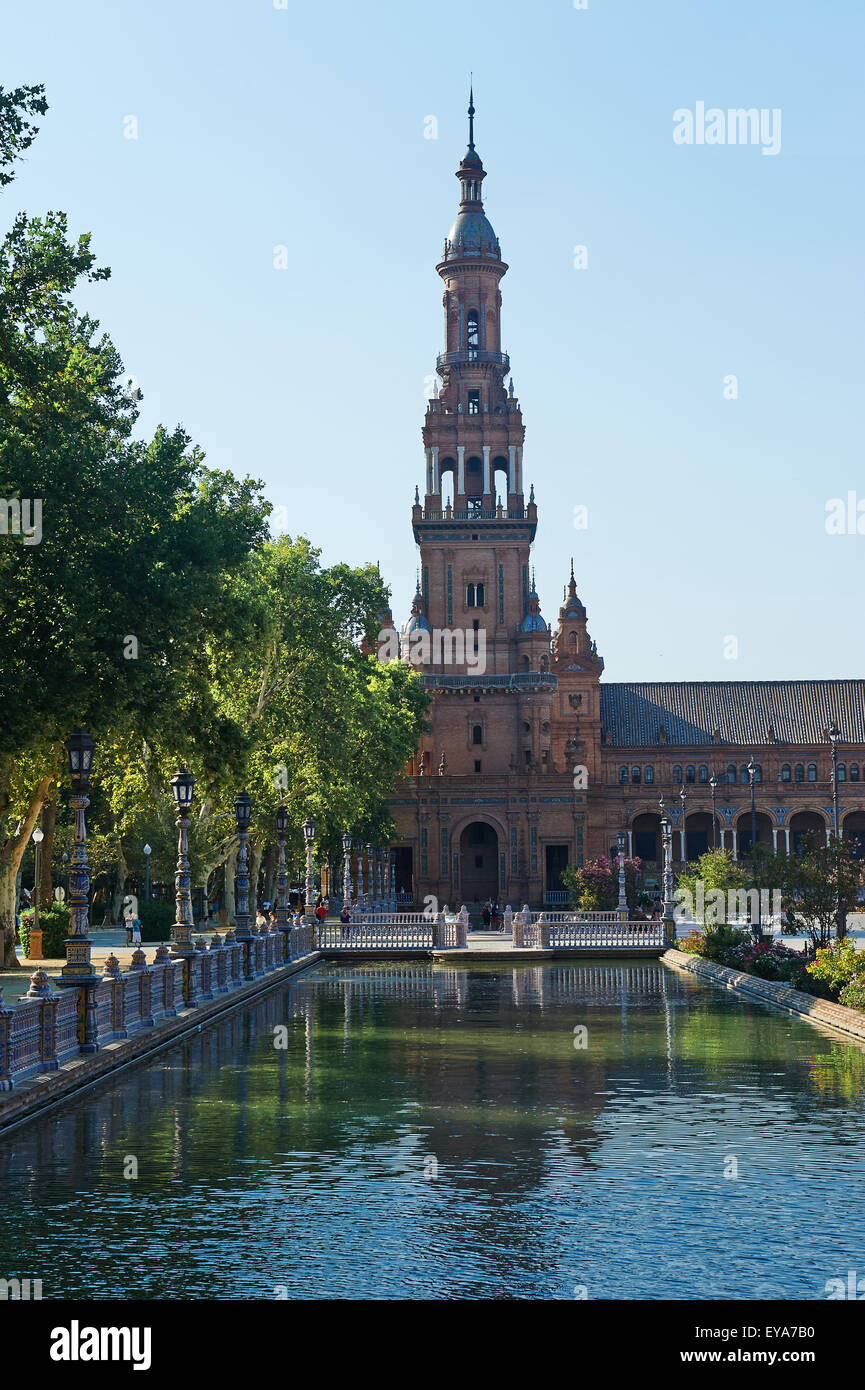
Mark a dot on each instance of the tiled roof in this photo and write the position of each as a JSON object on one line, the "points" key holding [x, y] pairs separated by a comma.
{"points": [[743, 712]]}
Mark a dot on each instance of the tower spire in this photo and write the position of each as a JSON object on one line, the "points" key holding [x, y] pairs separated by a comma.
{"points": [[471, 114]]}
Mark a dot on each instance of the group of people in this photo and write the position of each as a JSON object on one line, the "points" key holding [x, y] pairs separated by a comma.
{"points": [[266, 915], [490, 916]]}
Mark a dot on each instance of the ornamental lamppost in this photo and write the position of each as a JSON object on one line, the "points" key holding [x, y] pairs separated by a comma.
{"points": [[358, 850], [309, 838], [391, 868], [683, 839], [834, 734], [38, 837], [370, 874], [78, 969], [242, 915], [752, 773], [623, 900], [346, 871], [147, 853], [182, 787], [379, 891], [667, 842], [283, 915], [713, 783]]}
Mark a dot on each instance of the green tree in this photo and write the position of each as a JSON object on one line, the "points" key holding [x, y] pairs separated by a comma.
{"points": [[109, 601], [822, 886]]}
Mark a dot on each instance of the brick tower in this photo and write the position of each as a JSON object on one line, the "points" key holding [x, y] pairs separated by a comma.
{"points": [[470, 819]]}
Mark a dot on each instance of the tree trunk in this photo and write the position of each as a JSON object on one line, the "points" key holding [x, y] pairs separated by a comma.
{"points": [[254, 866], [120, 872], [230, 903], [271, 864], [11, 853], [46, 886]]}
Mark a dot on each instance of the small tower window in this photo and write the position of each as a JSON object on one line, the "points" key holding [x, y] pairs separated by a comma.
{"points": [[812, 772], [635, 773], [474, 406], [800, 772], [475, 596], [689, 773], [623, 775], [649, 775], [477, 734], [472, 334], [677, 773]]}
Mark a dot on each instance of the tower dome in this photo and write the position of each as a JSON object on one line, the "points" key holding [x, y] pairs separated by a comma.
{"points": [[472, 233]]}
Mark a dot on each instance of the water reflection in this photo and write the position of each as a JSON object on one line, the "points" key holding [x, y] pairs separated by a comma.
{"points": [[432, 1131]]}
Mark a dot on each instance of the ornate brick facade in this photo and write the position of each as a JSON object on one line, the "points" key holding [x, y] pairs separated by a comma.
{"points": [[533, 762]]}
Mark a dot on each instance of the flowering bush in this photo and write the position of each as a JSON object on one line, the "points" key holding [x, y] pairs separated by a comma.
{"points": [[715, 943], [840, 968]]}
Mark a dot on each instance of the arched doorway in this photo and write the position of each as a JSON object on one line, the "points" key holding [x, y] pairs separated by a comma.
{"points": [[646, 839], [853, 828], [764, 831], [698, 834], [479, 863], [804, 825]]}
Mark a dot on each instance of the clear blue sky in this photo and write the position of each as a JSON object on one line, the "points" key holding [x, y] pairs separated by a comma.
{"points": [[304, 127]]}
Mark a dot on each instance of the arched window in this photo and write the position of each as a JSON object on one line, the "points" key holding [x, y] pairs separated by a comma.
{"points": [[842, 772], [800, 773], [635, 773], [731, 772], [758, 772], [743, 774], [689, 773], [785, 773], [677, 773], [649, 775], [477, 734], [470, 596], [623, 775], [474, 596], [854, 772], [472, 333], [703, 773], [479, 596], [812, 772], [574, 641]]}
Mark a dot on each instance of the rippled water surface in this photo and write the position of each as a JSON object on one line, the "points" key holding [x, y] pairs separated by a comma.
{"points": [[433, 1132]]}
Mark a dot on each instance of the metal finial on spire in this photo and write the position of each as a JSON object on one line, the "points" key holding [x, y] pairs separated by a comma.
{"points": [[471, 114], [572, 566]]}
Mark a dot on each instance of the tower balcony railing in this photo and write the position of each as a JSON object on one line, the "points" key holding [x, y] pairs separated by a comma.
{"points": [[485, 514], [466, 355], [512, 681]]}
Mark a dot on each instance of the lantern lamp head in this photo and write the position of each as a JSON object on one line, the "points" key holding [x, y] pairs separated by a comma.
{"points": [[38, 835], [148, 850], [243, 810], [182, 787], [79, 757], [346, 844], [308, 831], [281, 821]]}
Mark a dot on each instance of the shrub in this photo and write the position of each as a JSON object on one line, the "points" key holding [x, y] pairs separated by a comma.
{"points": [[54, 925], [716, 943], [157, 919], [841, 970]]}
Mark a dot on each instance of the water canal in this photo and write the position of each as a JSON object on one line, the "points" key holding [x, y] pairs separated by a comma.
{"points": [[430, 1131]]}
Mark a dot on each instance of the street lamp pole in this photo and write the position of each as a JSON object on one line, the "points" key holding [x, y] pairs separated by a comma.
{"points": [[38, 837], [283, 916], [667, 842], [752, 772], [623, 899], [370, 873], [78, 969], [309, 837], [684, 838], [182, 787], [147, 853], [840, 915], [347, 891], [713, 783], [243, 930]]}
